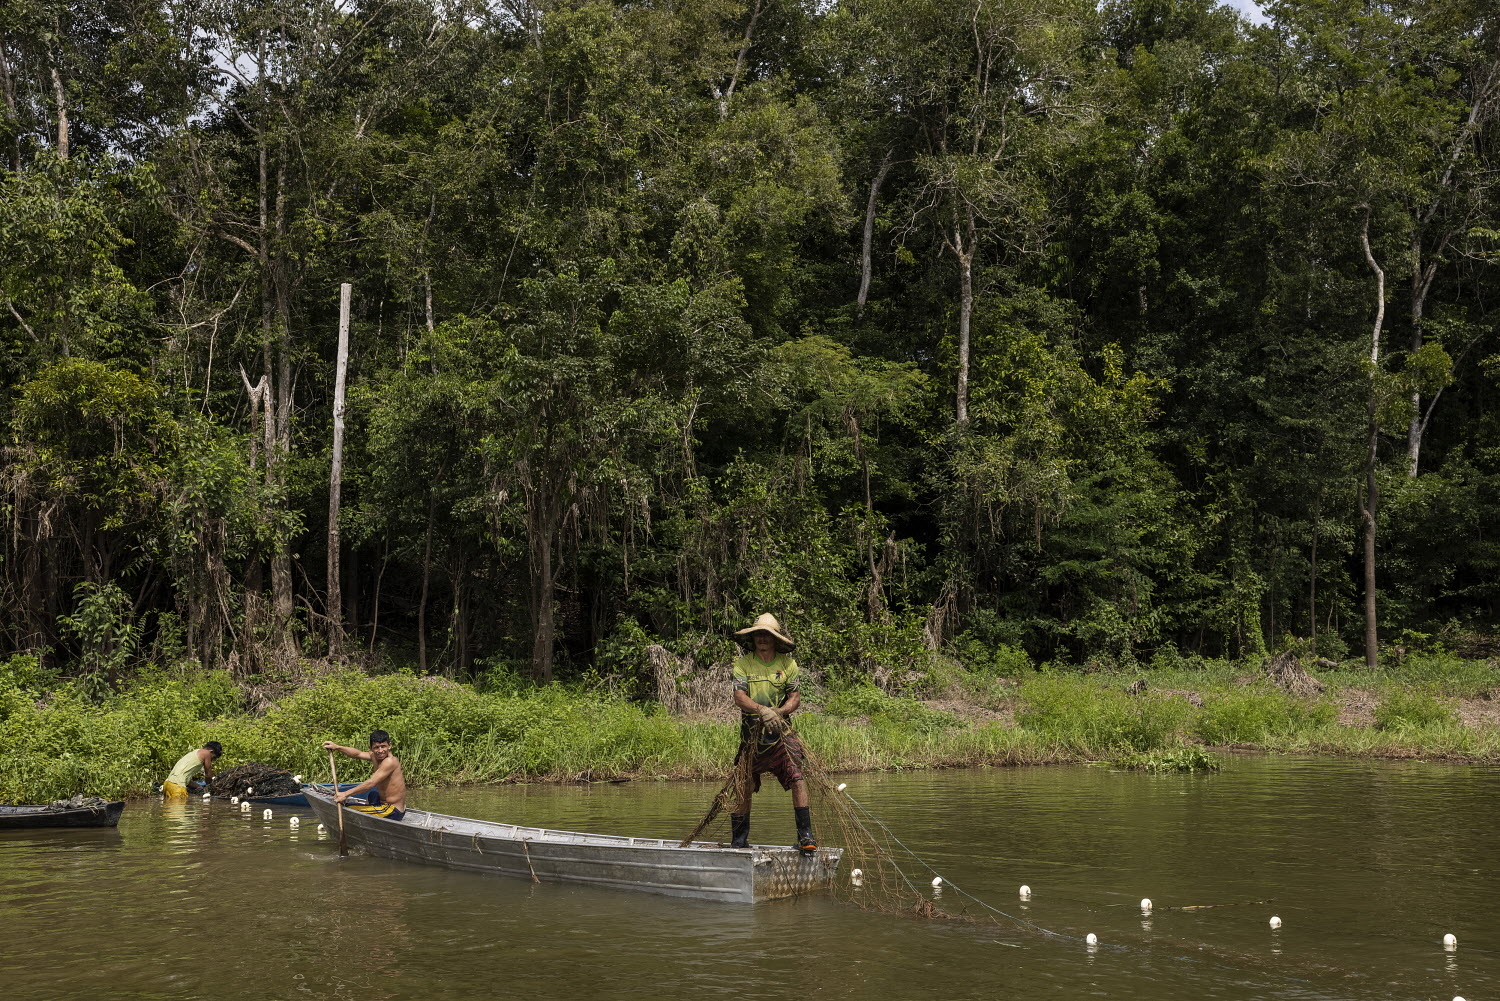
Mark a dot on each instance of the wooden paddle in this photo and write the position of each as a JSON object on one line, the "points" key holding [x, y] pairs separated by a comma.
{"points": [[333, 770]]}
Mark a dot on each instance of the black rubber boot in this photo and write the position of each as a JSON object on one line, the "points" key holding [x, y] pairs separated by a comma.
{"points": [[739, 827], [806, 843]]}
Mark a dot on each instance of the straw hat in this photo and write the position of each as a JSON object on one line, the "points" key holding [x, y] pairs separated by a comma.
{"points": [[767, 623]]}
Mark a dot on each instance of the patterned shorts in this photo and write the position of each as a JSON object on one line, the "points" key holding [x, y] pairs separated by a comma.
{"points": [[782, 759]]}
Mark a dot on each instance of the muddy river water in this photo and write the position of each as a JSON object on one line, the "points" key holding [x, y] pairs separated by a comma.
{"points": [[1368, 864]]}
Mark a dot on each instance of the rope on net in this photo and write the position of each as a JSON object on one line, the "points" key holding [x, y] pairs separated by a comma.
{"points": [[873, 849]]}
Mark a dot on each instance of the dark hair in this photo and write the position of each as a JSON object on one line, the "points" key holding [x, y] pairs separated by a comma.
{"points": [[379, 737], [216, 747]]}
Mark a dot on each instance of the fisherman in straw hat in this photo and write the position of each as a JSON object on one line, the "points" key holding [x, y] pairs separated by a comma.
{"points": [[766, 689]]}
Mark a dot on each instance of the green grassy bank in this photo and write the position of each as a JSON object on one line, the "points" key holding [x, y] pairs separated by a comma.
{"points": [[57, 742]]}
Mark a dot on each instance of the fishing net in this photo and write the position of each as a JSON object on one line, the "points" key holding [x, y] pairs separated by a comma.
{"points": [[892, 879], [868, 873], [266, 780], [77, 802]]}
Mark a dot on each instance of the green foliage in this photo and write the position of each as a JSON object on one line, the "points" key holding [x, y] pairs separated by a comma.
{"points": [[1402, 709], [1177, 759], [24, 672], [1444, 673], [106, 636], [63, 274], [1094, 719], [1254, 716], [656, 326], [881, 708], [69, 743]]}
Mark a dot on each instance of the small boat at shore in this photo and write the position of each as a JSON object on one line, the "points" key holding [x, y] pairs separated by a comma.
{"points": [[65, 813], [704, 870], [296, 799]]}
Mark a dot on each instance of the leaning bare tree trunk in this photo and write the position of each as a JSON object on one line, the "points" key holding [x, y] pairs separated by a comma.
{"points": [[864, 257], [965, 312], [1418, 304], [739, 62], [1312, 587], [1370, 505], [335, 607], [1486, 101], [60, 95]]}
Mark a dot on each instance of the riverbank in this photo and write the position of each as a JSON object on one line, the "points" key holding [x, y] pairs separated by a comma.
{"points": [[57, 743]]}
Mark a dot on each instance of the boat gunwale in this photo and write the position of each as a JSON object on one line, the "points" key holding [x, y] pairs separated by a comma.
{"points": [[420, 820], [47, 809], [41, 816]]}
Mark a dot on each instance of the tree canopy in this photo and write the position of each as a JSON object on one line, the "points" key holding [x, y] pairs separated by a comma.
{"points": [[1113, 332]]}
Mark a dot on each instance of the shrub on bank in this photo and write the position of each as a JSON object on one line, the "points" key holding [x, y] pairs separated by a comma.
{"points": [[1256, 716], [1405, 709], [62, 743], [878, 707], [1444, 674], [1088, 718], [57, 743]]}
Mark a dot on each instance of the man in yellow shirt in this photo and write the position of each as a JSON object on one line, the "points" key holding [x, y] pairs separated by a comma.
{"points": [[767, 691], [189, 767]]}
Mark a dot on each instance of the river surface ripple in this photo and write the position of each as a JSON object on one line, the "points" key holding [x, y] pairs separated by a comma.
{"points": [[1368, 864]]}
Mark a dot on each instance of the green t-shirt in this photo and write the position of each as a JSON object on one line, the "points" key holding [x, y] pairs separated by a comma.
{"points": [[768, 684], [188, 767]]}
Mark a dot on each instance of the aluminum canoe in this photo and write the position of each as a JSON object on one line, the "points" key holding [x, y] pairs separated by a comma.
{"points": [[703, 870], [29, 818]]}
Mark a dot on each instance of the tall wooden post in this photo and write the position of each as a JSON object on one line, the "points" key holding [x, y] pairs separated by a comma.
{"points": [[335, 604]]}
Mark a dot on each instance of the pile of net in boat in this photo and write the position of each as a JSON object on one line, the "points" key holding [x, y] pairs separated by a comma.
{"points": [[79, 801], [266, 780]]}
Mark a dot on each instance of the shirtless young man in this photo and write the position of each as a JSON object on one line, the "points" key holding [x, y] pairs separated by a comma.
{"points": [[388, 798]]}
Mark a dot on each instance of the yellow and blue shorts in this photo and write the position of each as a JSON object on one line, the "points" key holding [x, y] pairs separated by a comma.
{"points": [[378, 810]]}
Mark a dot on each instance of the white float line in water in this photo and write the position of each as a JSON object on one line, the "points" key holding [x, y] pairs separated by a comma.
{"points": [[939, 880], [1091, 941]]}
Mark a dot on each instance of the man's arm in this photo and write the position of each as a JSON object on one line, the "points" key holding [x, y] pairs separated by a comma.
{"points": [[329, 745], [793, 700], [382, 771], [770, 718]]}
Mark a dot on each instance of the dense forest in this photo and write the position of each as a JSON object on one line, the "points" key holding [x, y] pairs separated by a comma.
{"points": [[1115, 334]]}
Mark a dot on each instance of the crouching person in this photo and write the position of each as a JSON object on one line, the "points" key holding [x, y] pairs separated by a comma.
{"points": [[185, 774]]}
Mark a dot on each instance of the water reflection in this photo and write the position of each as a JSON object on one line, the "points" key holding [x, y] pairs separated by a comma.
{"points": [[197, 900]]}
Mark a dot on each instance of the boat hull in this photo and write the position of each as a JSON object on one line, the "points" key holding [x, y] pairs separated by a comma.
{"points": [[31, 818], [703, 870]]}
